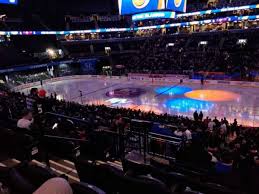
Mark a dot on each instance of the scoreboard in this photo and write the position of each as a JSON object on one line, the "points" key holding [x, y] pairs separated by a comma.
{"points": [[129, 7], [14, 2], [176, 5]]}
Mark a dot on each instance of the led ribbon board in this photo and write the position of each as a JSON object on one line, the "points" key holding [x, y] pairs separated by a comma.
{"points": [[9, 2], [127, 7], [209, 21], [227, 9], [104, 30], [153, 15]]}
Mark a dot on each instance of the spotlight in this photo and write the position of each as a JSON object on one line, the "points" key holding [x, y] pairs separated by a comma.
{"points": [[50, 52], [241, 42], [203, 42], [170, 45]]}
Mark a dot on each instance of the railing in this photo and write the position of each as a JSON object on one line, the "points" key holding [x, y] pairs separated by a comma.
{"points": [[72, 153], [152, 142], [148, 138], [164, 148]]}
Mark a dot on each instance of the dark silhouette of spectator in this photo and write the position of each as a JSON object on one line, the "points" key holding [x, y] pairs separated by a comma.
{"points": [[196, 116], [216, 121], [31, 100], [200, 116]]}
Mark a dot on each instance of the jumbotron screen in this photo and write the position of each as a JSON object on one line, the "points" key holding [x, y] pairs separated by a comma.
{"points": [[14, 2], [129, 7]]}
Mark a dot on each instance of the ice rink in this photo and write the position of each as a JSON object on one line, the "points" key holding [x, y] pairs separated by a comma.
{"points": [[231, 102]]}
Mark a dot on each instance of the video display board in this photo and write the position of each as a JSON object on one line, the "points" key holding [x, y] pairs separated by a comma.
{"points": [[127, 7], [176, 5], [9, 2]]}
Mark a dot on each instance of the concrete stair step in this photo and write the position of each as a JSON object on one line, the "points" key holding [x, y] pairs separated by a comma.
{"points": [[10, 163], [59, 169], [63, 167]]}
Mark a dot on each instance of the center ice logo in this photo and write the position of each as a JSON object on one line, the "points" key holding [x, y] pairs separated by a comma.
{"points": [[126, 92], [139, 4]]}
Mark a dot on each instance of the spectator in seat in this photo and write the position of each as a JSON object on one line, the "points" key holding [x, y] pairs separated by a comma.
{"points": [[223, 127], [224, 165], [206, 122], [55, 186], [31, 100], [195, 153], [231, 136], [118, 123], [178, 132], [213, 142], [26, 121], [211, 125], [188, 134]]}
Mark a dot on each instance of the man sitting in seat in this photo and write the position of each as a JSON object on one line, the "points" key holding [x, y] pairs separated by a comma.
{"points": [[26, 121]]}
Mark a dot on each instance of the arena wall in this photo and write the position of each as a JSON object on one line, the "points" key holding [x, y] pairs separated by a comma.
{"points": [[158, 79]]}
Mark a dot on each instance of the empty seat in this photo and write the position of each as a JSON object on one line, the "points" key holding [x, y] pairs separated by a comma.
{"points": [[19, 146], [100, 174], [61, 148], [113, 180], [35, 174]]}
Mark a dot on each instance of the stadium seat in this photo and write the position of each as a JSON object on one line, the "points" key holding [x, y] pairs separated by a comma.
{"points": [[19, 146], [18, 184], [84, 188], [3, 173], [136, 168], [24, 178], [100, 174], [112, 180], [35, 174], [85, 170], [62, 148], [143, 184]]}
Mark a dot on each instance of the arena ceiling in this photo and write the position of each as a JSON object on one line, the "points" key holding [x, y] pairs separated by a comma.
{"points": [[83, 6]]}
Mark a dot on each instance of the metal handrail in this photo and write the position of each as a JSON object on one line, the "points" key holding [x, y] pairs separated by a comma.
{"points": [[65, 138], [67, 117]]}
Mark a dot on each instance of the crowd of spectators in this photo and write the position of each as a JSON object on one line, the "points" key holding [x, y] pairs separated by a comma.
{"points": [[165, 54], [187, 54], [203, 5], [209, 141]]}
